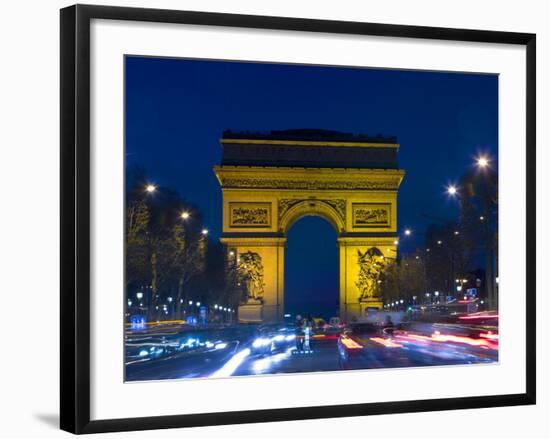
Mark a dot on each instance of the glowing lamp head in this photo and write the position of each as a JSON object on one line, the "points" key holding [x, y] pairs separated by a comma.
{"points": [[184, 215], [408, 232], [482, 161], [204, 232], [452, 190], [150, 188]]}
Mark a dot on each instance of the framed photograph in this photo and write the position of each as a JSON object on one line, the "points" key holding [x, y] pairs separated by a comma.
{"points": [[274, 218]]}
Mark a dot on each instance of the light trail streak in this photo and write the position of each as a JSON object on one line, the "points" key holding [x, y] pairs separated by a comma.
{"points": [[389, 343], [444, 338], [350, 344], [231, 366]]}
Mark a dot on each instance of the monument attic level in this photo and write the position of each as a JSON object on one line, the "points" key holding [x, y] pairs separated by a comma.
{"points": [[271, 180]]}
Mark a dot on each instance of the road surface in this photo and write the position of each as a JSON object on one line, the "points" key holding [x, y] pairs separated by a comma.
{"points": [[172, 353]]}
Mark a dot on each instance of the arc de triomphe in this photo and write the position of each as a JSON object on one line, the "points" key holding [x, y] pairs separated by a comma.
{"points": [[270, 181]]}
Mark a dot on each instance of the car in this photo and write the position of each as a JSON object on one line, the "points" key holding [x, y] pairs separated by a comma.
{"points": [[272, 338], [336, 322]]}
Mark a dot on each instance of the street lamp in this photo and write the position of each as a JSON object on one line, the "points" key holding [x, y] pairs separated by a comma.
{"points": [[482, 161], [150, 188], [190, 302], [185, 215], [204, 232], [452, 190], [408, 232], [139, 295], [198, 304]]}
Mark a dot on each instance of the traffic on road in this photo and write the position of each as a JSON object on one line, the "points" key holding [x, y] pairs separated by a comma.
{"points": [[175, 350]]}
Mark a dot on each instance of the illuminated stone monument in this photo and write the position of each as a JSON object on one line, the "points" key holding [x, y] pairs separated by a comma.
{"points": [[270, 181]]}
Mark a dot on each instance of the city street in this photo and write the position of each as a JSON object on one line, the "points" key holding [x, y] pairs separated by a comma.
{"points": [[169, 352]]}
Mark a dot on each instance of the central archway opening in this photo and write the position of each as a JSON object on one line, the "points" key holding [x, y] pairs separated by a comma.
{"points": [[312, 269]]}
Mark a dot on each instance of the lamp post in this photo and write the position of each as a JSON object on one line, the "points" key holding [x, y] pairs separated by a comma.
{"points": [[483, 164]]}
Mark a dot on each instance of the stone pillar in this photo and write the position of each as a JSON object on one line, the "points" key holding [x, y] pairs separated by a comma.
{"points": [[352, 306], [271, 254]]}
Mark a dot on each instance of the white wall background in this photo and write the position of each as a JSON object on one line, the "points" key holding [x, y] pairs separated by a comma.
{"points": [[29, 249]]}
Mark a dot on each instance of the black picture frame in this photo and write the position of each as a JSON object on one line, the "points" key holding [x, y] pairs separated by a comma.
{"points": [[75, 217]]}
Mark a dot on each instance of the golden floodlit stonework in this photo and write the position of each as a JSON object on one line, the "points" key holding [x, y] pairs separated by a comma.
{"points": [[261, 203], [250, 214]]}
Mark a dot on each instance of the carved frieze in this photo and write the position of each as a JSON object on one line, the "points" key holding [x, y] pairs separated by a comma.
{"points": [[371, 214], [338, 205], [260, 183], [246, 214]]}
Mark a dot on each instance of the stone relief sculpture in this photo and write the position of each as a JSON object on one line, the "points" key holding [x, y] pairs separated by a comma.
{"points": [[251, 274], [252, 216], [371, 214], [371, 265]]}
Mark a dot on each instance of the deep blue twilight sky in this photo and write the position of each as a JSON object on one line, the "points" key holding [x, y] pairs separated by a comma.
{"points": [[177, 109]]}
